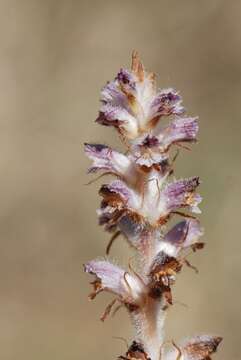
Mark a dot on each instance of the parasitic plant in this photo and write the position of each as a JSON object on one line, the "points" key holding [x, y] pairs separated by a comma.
{"points": [[138, 205]]}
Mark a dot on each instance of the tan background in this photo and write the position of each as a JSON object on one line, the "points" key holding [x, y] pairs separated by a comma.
{"points": [[54, 58]]}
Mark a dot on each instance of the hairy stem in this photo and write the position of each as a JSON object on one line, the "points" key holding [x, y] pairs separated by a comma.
{"points": [[149, 327]]}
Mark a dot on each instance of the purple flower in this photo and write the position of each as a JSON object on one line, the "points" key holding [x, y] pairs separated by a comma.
{"points": [[104, 158], [178, 131], [155, 203], [111, 278], [132, 105], [166, 102], [181, 194]]}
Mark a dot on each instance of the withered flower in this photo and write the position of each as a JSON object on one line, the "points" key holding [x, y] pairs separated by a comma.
{"points": [[139, 203], [198, 348], [135, 352]]}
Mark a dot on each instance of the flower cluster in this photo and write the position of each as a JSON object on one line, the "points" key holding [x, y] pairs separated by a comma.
{"points": [[139, 203]]}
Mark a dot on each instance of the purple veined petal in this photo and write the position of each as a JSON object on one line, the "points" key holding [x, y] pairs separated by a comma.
{"points": [[127, 81], [114, 279], [118, 102], [145, 151], [112, 115], [109, 275], [104, 158], [119, 117], [111, 94], [119, 194], [148, 159], [166, 102], [179, 130], [118, 188], [196, 348], [184, 234], [181, 194]]}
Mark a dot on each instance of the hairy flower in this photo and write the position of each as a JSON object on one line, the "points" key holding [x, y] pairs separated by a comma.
{"points": [[155, 201], [109, 277], [138, 205], [133, 105]]}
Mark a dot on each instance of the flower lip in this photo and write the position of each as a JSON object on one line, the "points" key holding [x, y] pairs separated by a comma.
{"points": [[164, 264], [107, 159], [180, 193], [117, 190], [162, 275], [109, 277]]}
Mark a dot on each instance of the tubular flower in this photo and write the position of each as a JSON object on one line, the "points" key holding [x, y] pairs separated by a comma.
{"points": [[138, 205]]}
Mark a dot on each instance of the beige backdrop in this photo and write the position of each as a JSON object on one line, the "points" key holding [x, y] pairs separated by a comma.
{"points": [[54, 58]]}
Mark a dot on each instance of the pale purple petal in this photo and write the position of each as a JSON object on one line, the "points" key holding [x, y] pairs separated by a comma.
{"points": [[181, 194], [166, 102], [111, 94], [129, 288], [179, 130], [117, 187], [126, 80], [184, 234], [104, 158], [113, 115], [111, 276], [117, 97]]}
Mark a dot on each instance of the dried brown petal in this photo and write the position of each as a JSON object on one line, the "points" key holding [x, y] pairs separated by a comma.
{"points": [[135, 352], [201, 347]]}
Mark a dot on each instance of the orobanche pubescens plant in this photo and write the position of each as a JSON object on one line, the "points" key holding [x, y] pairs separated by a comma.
{"points": [[138, 205]]}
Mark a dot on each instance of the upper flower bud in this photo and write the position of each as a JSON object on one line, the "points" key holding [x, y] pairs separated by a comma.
{"points": [[132, 104]]}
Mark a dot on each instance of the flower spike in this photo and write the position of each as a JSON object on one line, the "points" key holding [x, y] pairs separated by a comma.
{"points": [[138, 205]]}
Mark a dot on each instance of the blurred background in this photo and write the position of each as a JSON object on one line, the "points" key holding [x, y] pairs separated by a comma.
{"points": [[54, 58]]}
